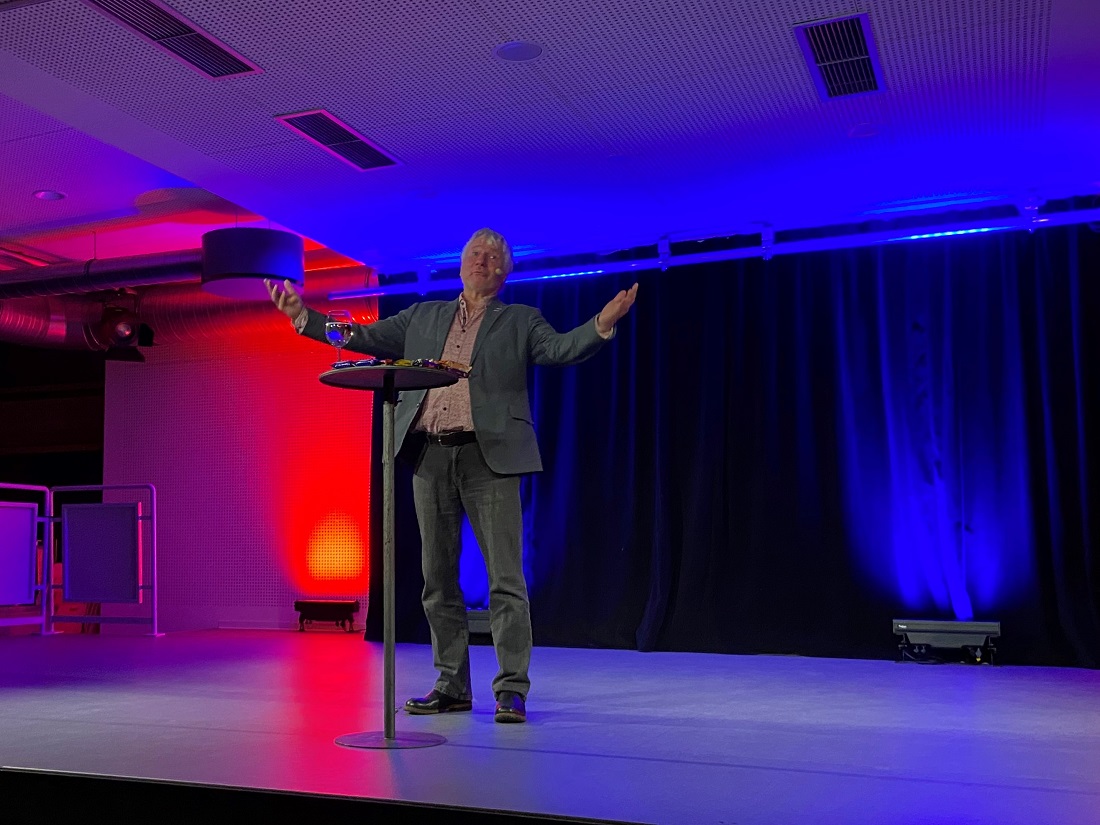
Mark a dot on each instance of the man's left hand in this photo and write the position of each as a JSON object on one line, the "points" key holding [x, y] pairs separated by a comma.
{"points": [[616, 308]]}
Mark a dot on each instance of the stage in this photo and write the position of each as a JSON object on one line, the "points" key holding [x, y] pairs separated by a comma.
{"points": [[245, 721]]}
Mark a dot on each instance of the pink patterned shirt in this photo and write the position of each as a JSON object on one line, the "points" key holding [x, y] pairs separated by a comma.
{"points": [[448, 408]]}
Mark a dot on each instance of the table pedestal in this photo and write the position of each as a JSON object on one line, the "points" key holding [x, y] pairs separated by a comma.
{"points": [[388, 380]]}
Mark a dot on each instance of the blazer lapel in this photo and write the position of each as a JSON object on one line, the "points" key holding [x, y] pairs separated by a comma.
{"points": [[492, 315]]}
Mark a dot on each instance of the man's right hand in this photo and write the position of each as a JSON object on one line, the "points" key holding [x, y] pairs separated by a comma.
{"points": [[286, 298]]}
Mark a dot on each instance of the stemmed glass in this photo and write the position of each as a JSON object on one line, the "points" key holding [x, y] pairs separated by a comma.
{"points": [[338, 329]]}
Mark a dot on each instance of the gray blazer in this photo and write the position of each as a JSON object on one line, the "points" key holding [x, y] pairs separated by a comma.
{"points": [[511, 338]]}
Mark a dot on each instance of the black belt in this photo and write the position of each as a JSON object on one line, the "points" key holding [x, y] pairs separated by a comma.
{"points": [[454, 439]]}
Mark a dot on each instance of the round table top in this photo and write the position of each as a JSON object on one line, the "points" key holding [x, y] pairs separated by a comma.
{"points": [[374, 378]]}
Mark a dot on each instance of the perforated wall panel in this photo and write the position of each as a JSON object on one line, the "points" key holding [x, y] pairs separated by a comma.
{"points": [[262, 476]]}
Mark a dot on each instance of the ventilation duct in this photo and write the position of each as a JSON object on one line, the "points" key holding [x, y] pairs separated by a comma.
{"points": [[231, 263], [64, 305], [63, 308], [104, 275], [50, 321]]}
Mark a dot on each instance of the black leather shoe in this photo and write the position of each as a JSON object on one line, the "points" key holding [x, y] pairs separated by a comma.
{"points": [[436, 702], [510, 707]]}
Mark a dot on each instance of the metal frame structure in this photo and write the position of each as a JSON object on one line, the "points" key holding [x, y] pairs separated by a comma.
{"points": [[42, 587], [48, 615]]}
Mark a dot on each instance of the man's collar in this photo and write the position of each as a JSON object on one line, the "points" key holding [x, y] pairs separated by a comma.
{"points": [[464, 304]]}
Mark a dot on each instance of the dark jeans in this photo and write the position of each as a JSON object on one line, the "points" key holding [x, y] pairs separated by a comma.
{"points": [[447, 482]]}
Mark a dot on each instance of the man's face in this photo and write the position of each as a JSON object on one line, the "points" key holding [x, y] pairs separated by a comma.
{"points": [[482, 268]]}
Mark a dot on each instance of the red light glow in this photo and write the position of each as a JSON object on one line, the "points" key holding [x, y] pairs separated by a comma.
{"points": [[336, 551]]}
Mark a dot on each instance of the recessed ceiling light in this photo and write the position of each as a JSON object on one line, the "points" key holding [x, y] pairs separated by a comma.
{"points": [[518, 51], [49, 195]]}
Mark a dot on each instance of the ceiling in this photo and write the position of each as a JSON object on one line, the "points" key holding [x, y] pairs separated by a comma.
{"points": [[639, 120]]}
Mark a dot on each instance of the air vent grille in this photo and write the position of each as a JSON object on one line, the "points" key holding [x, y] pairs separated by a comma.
{"points": [[322, 129], [5, 5], [165, 28], [841, 56]]}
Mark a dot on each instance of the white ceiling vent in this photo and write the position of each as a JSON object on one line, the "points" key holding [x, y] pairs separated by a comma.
{"points": [[841, 56], [163, 27], [322, 129]]}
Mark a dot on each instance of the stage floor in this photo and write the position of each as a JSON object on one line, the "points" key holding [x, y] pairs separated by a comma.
{"points": [[612, 735]]}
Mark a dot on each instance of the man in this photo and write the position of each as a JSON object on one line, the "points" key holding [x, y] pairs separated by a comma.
{"points": [[471, 442]]}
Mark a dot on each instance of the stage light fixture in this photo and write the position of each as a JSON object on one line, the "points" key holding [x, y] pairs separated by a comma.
{"points": [[931, 640], [477, 621], [120, 331], [119, 327], [340, 612]]}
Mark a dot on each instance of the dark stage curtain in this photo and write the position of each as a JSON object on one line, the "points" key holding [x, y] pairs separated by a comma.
{"points": [[782, 456]]}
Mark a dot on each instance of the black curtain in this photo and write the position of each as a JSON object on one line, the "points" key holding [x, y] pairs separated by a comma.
{"points": [[782, 456]]}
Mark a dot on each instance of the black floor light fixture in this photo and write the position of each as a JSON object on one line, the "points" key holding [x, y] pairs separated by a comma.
{"points": [[341, 612], [933, 641]]}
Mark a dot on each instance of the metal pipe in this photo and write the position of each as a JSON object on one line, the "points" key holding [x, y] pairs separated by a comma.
{"points": [[95, 275]]}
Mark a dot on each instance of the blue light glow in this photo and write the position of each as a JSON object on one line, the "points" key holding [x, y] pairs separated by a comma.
{"points": [[453, 256], [923, 204], [546, 277], [934, 442], [954, 232], [472, 575]]}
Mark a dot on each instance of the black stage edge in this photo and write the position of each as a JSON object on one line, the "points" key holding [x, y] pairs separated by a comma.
{"points": [[28, 793]]}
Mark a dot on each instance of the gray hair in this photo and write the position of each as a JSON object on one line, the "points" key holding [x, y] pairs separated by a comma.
{"points": [[493, 238]]}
